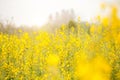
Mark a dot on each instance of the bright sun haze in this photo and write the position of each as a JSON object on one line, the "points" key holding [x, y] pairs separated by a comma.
{"points": [[36, 12]]}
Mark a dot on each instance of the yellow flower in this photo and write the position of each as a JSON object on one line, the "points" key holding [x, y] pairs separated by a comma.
{"points": [[105, 22], [52, 59]]}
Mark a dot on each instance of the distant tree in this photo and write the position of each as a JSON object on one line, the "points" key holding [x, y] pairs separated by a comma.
{"points": [[66, 17], [72, 14], [57, 19], [1, 27], [71, 24], [50, 18], [62, 18]]}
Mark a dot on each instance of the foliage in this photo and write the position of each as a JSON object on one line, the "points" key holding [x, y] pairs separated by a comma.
{"points": [[81, 55]]}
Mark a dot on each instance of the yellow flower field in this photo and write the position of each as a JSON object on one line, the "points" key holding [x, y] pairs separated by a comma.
{"points": [[66, 54]]}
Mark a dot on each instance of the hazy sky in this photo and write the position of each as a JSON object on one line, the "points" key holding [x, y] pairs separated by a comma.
{"points": [[36, 12]]}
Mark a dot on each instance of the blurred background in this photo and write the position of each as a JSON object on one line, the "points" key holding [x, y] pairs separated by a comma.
{"points": [[36, 12], [41, 14]]}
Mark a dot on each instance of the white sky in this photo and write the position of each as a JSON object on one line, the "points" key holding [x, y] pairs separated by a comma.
{"points": [[36, 12]]}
